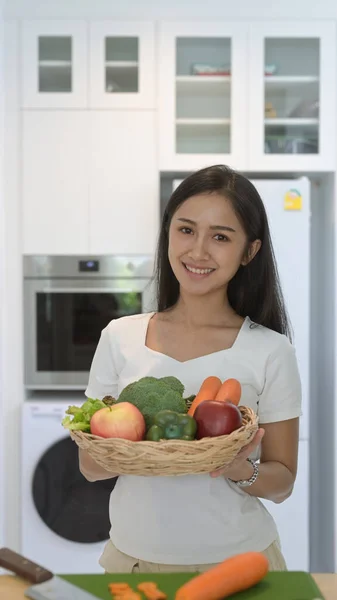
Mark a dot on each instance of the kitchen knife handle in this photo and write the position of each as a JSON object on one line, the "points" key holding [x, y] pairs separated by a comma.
{"points": [[23, 567]]}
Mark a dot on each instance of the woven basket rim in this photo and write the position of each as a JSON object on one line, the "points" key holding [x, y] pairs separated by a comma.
{"points": [[205, 440], [168, 457]]}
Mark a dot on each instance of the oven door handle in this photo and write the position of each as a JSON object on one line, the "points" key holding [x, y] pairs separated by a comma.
{"points": [[92, 290]]}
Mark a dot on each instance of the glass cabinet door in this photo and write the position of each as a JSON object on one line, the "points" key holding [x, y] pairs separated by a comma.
{"points": [[54, 64], [201, 74], [121, 65], [55, 67], [292, 95], [203, 95]]}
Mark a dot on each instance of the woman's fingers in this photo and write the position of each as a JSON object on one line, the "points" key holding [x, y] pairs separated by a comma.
{"points": [[256, 441], [242, 455]]}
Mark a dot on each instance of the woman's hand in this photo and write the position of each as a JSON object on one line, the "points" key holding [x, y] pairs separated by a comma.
{"points": [[90, 469], [240, 468]]}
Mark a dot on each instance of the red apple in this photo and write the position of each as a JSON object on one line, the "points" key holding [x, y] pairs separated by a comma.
{"points": [[216, 418], [122, 420]]}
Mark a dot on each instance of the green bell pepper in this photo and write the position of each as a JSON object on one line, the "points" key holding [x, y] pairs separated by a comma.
{"points": [[170, 425]]}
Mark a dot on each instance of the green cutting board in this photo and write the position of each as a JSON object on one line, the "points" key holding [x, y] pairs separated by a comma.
{"points": [[289, 585]]}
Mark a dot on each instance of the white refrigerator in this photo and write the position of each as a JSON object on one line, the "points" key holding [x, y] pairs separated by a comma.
{"points": [[287, 204]]}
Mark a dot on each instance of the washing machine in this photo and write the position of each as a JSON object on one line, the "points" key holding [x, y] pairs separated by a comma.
{"points": [[64, 518]]}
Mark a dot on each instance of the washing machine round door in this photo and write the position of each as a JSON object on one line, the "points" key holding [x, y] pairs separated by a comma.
{"points": [[71, 506]]}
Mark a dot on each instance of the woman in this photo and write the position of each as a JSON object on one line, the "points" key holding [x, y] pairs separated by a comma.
{"points": [[220, 312]]}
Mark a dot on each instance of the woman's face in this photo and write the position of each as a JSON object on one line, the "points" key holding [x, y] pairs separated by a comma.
{"points": [[207, 243]]}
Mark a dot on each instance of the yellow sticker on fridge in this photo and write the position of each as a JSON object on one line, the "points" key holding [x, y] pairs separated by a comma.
{"points": [[293, 200]]}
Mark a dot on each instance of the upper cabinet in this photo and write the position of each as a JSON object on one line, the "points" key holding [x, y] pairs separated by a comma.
{"points": [[122, 65], [202, 75], [71, 64], [54, 62], [292, 99], [259, 97]]}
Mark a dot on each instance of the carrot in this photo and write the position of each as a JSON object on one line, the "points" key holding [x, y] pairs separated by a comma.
{"points": [[151, 591], [130, 595], [229, 391], [119, 587], [208, 390], [155, 595], [229, 577], [122, 591], [147, 586]]}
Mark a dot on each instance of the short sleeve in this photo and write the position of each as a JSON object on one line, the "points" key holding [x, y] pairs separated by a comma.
{"points": [[103, 377], [281, 397]]}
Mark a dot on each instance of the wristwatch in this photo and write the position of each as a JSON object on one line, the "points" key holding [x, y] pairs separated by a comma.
{"points": [[247, 482]]}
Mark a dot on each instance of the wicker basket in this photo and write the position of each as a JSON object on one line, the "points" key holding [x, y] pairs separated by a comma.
{"points": [[168, 457]]}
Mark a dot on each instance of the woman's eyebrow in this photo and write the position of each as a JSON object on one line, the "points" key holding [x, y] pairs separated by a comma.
{"points": [[223, 227]]}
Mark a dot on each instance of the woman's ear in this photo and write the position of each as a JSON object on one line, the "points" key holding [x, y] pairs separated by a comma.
{"points": [[251, 252]]}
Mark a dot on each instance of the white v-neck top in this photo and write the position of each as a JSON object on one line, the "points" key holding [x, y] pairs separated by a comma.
{"points": [[194, 519]]}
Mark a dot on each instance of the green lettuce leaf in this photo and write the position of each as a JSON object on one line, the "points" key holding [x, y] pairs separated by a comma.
{"points": [[81, 415]]}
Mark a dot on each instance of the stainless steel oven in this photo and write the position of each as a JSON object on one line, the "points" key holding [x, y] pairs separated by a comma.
{"points": [[68, 300]]}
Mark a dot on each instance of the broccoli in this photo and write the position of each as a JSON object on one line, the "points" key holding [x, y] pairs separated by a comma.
{"points": [[174, 384], [151, 395]]}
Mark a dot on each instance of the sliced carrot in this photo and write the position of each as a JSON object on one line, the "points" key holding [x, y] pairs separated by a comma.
{"points": [[151, 591], [230, 391], [208, 391], [229, 577], [115, 589], [154, 594], [128, 595], [122, 591], [119, 586], [147, 585]]}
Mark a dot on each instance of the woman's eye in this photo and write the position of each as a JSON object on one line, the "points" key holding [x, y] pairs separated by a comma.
{"points": [[185, 230], [221, 238]]}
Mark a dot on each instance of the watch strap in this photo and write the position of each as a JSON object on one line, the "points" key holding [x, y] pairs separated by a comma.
{"points": [[252, 479]]}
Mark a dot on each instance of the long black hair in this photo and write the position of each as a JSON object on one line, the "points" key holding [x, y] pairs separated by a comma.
{"points": [[255, 289]]}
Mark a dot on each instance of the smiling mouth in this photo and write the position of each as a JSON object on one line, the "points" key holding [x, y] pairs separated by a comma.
{"points": [[198, 271]]}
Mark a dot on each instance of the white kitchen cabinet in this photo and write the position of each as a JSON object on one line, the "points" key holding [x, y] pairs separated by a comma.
{"points": [[124, 182], [260, 96], [292, 516], [54, 64], [202, 78], [292, 99], [90, 182], [75, 64], [122, 65], [55, 182]]}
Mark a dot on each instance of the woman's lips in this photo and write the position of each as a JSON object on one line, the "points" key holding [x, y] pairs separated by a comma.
{"points": [[198, 272]]}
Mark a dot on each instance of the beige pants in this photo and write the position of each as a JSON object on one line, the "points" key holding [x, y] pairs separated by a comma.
{"points": [[114, 561]]}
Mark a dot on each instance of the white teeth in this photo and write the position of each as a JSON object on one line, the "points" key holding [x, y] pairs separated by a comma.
{"points": [[199, 271]]}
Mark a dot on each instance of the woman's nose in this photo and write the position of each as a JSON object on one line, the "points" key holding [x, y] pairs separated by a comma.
{"points": [[199, 249]]}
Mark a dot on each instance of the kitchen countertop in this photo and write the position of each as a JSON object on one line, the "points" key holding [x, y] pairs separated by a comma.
{"points": [[12, 588]]}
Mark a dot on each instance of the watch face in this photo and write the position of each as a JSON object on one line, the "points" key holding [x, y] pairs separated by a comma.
{"points": [[243, 484]]}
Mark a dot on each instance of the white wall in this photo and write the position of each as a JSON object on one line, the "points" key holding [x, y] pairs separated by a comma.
{"points": [[2, 288], [144, 9], [12, 389]]}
